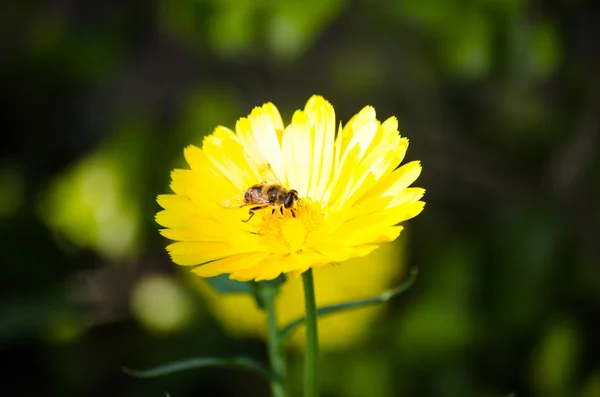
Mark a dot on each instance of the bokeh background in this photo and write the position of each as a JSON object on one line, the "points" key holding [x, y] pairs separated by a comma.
{"points": [[500, 100]]}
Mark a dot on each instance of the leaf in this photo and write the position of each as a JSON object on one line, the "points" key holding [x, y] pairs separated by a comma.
{"points": [[384, 297], [276, 282], [201, 362], [226, 285], [266, 290]]}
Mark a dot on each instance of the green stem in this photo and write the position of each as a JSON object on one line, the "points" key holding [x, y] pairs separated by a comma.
{"points": [[331, 309], [275, 344], [312, 341]]}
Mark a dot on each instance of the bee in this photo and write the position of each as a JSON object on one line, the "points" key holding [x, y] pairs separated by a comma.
{"points": [[264, 195], [270, 193]]}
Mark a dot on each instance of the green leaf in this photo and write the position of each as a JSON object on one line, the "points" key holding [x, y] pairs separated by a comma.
{"points": [[226, 285], [276, 282], [266, 290], [384, 297], [202, 362]]}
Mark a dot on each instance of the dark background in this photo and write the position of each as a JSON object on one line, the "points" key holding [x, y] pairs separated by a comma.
{"points": [[500, 100]]}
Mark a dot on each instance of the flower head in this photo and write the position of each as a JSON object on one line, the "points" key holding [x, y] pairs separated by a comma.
{"points": [[235, 211]]}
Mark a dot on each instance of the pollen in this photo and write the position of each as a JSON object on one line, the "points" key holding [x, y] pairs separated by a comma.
{"points": [[290, 230]]}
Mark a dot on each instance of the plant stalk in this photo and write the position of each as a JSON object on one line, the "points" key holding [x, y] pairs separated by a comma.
{"points": [[312, 341], [275, 344]]}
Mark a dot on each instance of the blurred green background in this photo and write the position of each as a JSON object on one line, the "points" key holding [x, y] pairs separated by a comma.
{"points": [[500, 100]]}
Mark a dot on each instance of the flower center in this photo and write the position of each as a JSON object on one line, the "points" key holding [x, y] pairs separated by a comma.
{"points": [[290, 230]]}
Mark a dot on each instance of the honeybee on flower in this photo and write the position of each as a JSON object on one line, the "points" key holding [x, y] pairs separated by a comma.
{"points": [[267, 194]]}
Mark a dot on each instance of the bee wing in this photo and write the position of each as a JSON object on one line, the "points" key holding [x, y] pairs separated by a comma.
{"points": [[267, 175], [236, 201]]}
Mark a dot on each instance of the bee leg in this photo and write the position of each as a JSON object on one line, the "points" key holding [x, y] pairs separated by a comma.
{"points": [[251, 215], [281, 210], [293, 213], [251, 212], [272, 211]]}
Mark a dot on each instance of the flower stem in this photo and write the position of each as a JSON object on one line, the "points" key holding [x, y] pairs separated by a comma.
{"points": [[275, 345], [312, 341]]}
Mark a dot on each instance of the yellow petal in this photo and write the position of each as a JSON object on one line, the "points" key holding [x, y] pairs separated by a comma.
{"points": [[390, 125], [322, 118], [407, 196], [203, 229], [267, 269], [243, 129], [195, 158], [169, 219], [373, 235], [226, 157], [202, 187], [302, 261], [370, 205], [178, 202], [366, 115], [230, 264], [297, 153], [399, 179], [335, 194], [333, 251], [265, 121], [295, 233], [188, 253], [346, 134]]}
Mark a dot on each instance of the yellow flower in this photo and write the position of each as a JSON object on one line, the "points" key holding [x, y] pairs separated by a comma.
{"points": [[350, 193]]}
